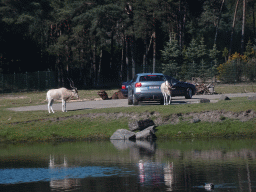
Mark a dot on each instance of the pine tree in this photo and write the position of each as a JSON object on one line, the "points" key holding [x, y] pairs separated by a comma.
{"points": [[249, 50], [201, 50], [202, 71], [213, 54], [171, 58], [225, 54], [191, 56]]}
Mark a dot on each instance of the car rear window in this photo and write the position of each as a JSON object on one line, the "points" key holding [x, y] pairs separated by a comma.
{"points": [[152, 78]]}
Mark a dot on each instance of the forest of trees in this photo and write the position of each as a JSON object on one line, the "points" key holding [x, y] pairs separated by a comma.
{"points": [[99, 42]]}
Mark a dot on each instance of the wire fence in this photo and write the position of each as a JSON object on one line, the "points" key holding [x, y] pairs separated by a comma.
{"points": [[29, 81], [43, 80]]}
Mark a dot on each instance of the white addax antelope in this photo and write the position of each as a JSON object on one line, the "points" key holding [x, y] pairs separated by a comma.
{"points": [[63, 94], [166, 90]]}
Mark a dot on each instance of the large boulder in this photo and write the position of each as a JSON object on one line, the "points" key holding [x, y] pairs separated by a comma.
{"points": [[146, 134], [123, 134], [146, 127], [140, 125]]}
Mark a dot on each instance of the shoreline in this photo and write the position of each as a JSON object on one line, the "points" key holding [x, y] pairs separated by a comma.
{"points": [[215, 123], [223, 118]]}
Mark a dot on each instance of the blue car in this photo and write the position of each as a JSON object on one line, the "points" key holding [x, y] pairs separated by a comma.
{"points": [[124, 89], [146, 87]]}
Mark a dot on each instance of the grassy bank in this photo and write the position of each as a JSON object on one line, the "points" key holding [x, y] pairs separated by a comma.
{"points": [[102, 123], [103, 128], [235, 88]]}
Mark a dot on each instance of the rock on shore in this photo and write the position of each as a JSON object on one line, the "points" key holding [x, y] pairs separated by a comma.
{"points": [[146, 127]]}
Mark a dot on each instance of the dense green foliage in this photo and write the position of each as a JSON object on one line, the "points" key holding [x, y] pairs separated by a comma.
{"points": [[104, 41]]}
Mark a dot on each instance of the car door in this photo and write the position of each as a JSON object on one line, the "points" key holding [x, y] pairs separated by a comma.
{"points": [[178, 88]]}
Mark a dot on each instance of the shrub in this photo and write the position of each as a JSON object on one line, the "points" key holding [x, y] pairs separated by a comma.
{"points": [[232, 70]]}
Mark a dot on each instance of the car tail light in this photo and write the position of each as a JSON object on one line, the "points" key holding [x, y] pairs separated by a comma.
{"points": [[138, 84], [123, 86]]}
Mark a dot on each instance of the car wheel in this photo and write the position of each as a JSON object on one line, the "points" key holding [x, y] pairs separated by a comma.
{"points": [[161, 101], [130, 102], [188, 94], [135, 101]]}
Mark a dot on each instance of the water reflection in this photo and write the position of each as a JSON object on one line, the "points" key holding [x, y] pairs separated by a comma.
{"points": [[141, 146], [168, 176], [150, 172], [181, 165], [65, 184]]}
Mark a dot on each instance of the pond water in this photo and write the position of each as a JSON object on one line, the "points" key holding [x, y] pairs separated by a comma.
{"points": [[164, 165]]}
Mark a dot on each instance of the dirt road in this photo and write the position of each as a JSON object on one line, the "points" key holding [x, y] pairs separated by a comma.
{"points": [[124, 103]]}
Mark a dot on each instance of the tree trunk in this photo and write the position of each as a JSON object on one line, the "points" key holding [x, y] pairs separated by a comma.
{"points": [[93, 65], [183, 27], [180, 24], [233, 28], [122, 62], [81, 80], [253, 18], [111, 50], [99, 69], [147, 50], [243, 25], [68, 59], [132, 55], [154, 52], [145, 55], [58, 69], [217, 27], [126, 56]]}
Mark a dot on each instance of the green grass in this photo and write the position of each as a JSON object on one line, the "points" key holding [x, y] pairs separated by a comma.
{"points": [[227, 128], [235, 105], [235, 88], [73, 125], [52, 130]]}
